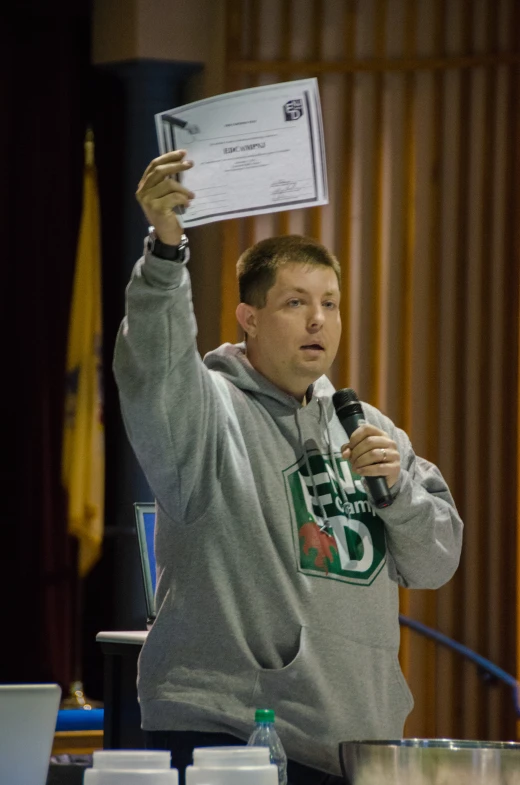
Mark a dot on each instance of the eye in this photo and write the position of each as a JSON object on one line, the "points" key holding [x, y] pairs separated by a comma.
{"points": [[294, 302], [329, 304]]}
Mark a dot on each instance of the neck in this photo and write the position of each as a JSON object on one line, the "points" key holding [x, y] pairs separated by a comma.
{"points": [[298, 393]]}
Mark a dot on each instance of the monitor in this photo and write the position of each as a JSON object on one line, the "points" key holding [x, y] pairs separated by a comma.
{"points": [[145, 522]]}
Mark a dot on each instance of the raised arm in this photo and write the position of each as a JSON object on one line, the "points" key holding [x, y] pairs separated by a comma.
{"points": [[170, 403]]}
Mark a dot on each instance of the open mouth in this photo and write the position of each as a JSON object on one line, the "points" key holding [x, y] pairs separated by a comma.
{"points": [[313, 347]]}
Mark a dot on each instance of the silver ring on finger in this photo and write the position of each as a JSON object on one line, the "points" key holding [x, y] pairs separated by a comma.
{"points": [[384, 454]]}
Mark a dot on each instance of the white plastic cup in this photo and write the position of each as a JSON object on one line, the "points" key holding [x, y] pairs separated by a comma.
{"points": [[231, 766], [131, 767]]}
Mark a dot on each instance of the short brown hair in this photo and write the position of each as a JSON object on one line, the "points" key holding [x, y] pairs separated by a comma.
{"points": [[258, 265]]}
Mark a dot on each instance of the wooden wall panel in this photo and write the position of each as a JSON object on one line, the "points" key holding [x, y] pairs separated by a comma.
{"points": [[421, 115]]}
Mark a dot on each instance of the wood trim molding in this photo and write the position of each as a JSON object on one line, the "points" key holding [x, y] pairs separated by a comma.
{"points": [[306, 67]]}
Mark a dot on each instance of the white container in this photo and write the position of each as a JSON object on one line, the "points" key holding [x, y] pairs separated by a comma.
{"points": [[131, 767], [231, 766]]}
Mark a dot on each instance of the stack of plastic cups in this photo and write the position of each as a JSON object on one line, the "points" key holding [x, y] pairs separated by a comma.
{"points": [[131, 767], [231, 766]]}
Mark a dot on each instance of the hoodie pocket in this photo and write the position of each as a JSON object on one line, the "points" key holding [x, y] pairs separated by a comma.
{"points": [[279, 657], [338, 689]]}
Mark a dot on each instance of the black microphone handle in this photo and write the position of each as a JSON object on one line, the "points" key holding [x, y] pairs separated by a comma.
{"points": [[378, 486]]}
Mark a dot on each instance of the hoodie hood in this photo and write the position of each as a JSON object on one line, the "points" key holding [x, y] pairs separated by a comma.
{"points": [[231, 361]]}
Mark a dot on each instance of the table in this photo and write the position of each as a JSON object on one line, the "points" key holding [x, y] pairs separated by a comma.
{"points": [[122, 723]]}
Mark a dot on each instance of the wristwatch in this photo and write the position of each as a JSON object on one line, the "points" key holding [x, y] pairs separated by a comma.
{"points": [[174, 253]]}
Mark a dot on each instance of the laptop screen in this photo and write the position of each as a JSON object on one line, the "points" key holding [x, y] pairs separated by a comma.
{"points": [[27, 721], [145, 522]]}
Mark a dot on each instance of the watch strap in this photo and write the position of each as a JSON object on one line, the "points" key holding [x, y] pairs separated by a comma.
{"points": [[173, 253]]}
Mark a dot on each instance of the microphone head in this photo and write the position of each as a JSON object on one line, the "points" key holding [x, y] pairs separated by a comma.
{"points": [[341, 397]]}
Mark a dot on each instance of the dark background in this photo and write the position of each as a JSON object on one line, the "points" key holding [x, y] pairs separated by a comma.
{"points": [[50, 95], [46, 101]]}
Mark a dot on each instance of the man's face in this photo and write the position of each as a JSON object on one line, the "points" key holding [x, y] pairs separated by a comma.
{"points": [[296, 335]]}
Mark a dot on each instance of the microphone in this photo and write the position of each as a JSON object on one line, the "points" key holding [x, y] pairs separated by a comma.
{"points": [[351, 416]]}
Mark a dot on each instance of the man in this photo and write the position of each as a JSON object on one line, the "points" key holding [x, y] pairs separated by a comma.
{"points": [[277, 582]]}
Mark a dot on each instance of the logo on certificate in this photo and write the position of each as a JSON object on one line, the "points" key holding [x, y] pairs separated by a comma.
{"points": [[293, 110]]}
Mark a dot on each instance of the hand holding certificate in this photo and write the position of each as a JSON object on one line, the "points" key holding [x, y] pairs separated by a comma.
{"points": [[254, 151], [160, 194]]}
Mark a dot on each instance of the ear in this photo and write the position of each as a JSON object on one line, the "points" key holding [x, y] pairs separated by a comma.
{"points": [[246, 317]]}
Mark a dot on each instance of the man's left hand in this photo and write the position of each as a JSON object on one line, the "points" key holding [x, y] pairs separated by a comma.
{"points": [[372, 453]]}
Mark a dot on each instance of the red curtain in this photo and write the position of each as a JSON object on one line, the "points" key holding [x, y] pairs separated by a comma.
{"points": [[44, 94]]}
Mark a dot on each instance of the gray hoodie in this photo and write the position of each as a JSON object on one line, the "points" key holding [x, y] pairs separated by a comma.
{"points": [[277, 582]]}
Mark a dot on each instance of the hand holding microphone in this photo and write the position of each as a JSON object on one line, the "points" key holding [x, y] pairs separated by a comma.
{"points": [[370, 451]]}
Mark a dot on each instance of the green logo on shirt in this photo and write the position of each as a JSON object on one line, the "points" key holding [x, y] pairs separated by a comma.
{"points": [[352, 547]]}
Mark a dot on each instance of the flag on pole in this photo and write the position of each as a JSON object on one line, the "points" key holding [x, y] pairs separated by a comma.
{"points": [[83, 457]]}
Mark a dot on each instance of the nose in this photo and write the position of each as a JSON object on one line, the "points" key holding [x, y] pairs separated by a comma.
{"points": [[316, 318]]}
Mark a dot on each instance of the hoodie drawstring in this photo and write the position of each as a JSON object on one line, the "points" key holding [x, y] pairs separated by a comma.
{"points": [[317, 499]]}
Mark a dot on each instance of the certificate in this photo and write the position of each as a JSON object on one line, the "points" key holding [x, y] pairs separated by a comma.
{"points": [[254, 151]]}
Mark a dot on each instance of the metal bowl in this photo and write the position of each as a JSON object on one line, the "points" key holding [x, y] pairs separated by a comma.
{"points": [[430, 762]]}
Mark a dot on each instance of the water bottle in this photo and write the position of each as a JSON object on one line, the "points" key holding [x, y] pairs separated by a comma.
{"points": [[265, 735]]}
